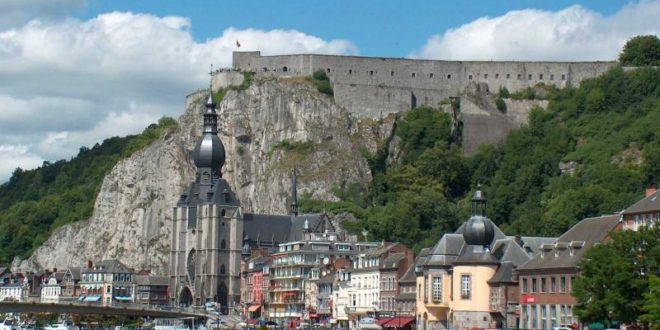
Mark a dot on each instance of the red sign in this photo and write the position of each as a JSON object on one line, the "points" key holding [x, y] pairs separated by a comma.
{"points": [[528, 299]]}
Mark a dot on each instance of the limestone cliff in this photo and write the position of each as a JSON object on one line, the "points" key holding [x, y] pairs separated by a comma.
{"points": [[267, 129]]}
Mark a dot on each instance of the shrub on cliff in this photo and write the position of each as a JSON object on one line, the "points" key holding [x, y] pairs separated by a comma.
{"points": [[501, 105], [322, 82], [641, 51]]}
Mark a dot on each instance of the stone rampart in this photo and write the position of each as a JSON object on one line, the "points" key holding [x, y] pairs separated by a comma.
{"points": [[372, 86]]}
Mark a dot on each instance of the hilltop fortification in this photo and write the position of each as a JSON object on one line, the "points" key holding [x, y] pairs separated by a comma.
{"points": [[374, 87]]}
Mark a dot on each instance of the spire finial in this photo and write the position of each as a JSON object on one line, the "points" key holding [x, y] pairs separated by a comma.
{"points": [[294, 193], [211, 79]]}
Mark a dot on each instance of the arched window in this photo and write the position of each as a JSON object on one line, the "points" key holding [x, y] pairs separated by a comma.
{"points": [[413, 74], [222, 212], [222, 269], [222, 244], [328, 70], [284, 69], [350, 71]]}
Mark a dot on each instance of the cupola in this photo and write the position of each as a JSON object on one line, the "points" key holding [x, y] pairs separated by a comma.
{"points": [[478, 229]]}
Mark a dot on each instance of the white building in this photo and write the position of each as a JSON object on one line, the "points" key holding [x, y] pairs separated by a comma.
{"points": [[51, 290], [12, 292]]}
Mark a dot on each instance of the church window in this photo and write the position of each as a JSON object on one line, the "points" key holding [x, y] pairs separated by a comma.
{"points": [[222, 269], [222, 212], [285, 69], [222, 244], [466, 286], [191, 265]]}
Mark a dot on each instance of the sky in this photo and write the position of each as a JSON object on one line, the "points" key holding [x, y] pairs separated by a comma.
{"points": [[75, 72]]}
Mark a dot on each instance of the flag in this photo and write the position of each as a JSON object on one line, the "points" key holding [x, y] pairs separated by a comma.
{"points": [[238, 44]]}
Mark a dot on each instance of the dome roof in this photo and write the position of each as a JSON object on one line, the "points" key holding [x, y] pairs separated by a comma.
{"points": [[478, 231], [209, 151]]}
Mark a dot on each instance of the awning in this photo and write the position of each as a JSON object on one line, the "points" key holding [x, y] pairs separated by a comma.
{"points": [[399, 322], [81, 298], [252, 321], [254, 308], [384, 320], [93, 298], [120, 298]]}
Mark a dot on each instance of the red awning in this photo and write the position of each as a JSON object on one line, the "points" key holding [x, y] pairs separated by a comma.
{"points": [[399, 322], [384, 320], [254, 308]]}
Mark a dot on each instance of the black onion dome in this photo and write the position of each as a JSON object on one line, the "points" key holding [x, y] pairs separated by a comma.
{"points": [[209, 151], [478, 231]]}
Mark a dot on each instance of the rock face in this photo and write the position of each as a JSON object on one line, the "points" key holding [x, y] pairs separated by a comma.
{"points": [[267, 129]]}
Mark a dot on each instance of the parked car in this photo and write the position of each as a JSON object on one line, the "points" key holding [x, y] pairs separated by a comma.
{"points": [[9, 323]]}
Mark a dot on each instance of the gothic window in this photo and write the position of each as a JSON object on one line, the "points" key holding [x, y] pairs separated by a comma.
{"points": [[222, 244], [191, 265], [223, 212], [222, 269], [563, 77]]}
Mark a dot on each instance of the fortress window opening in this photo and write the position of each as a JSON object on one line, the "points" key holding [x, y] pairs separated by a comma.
{"points": [[486, 76], [529, 76], [431, 75], [541, 76], [327, 70], [392, 73], [508, 76], [284, 69], [413, 74], [448, 76], [497, 75], [371, 73], [563, 77], [350, 71], [470, 77], [552, 77], [519, 76]]}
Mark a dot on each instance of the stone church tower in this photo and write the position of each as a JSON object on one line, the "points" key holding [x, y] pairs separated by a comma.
{"points": [[207, 235]]}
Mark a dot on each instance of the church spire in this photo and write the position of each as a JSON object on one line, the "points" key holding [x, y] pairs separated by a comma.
{"points": [[209, 153], [294, 194]]}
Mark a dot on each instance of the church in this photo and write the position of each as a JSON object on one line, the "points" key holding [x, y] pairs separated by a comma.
{"points": [[211, 234]]}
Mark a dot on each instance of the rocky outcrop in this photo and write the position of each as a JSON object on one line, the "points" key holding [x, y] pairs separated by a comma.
{"points": [[267, 129]]}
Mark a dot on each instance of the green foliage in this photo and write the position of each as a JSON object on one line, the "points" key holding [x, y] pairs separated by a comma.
{"points": [[641, 51], [503, 93], [34, 203], [301, 147], [501, 105], [421, 129], [651, 307], [528, 93], [615, 276], [219, 95], [322, 82]]}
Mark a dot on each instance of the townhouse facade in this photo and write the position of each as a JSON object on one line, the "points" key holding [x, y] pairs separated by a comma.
{"points": [[107, 283], [645, 212]]}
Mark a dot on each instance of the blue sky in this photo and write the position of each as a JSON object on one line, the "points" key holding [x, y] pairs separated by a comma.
{"points": [[75, 72], [377, 28]]}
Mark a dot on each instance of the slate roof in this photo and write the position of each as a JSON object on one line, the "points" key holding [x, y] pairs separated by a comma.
{"points": [[75, 273], [508, 250], [406, 296], [393, 260], [152, 280], [582, 236], [445, 252], [381, 249], [504, 274], [475, 254], [409, 276], [278, 228], [109, 266], [329, 278], [647, 204]]}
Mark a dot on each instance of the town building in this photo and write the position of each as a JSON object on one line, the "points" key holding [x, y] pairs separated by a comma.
{"points": [[107, 283], [546, 281], [71, 284], [365, 281], [643, 213], [51, 289], [407, 297], [152, 290], [467, 279], [255, 286]]}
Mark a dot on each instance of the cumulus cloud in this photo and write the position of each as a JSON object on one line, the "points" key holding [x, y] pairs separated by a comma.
{"points": [[68, 83], [571, 34]]}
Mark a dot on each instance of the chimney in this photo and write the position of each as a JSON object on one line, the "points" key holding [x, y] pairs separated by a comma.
{"points": [[650, 191]]}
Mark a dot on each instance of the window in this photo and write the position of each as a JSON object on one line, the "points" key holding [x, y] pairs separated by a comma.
{"points": [[524, 285], [413, 74], [519, 76], [437, 289], [350, 71], [533, 285], [563, 77], [507, 76], [448, 76], [430, 75], [535, 313], [222, 269], [392, 73], [529, 76], [466, 286], [371, 73], [327, 70], [486, 76], [419, 291], [553, 316], [222, 244], [553, 284], [552, 77], [541, 76], [107, 289], [470, 77], [285, 69], [543, 285], [562, 285], [544, 316], [572, 282], [497, 75]]}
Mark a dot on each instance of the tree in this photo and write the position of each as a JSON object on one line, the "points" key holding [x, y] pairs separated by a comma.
{"points": [[652, 303], [614, 277], [641, 51]]}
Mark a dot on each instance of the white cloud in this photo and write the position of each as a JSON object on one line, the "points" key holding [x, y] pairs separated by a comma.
{"points": [[571, 34], [68, 83]]}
